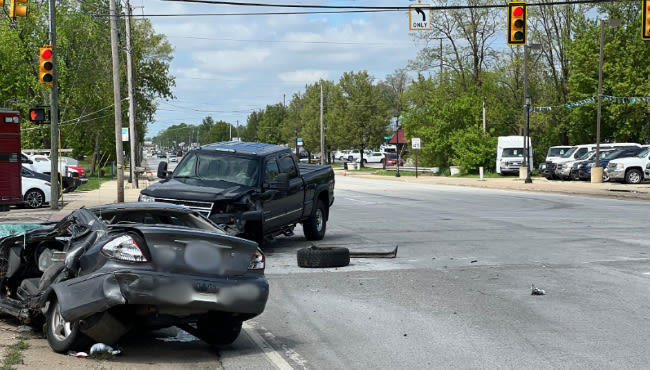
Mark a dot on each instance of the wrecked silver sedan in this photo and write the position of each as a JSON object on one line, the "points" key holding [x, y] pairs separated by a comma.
{"points": [[102, 271]]}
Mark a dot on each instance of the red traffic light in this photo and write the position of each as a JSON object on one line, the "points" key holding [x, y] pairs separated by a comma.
{"points": [[47, 53], [518, 11]]}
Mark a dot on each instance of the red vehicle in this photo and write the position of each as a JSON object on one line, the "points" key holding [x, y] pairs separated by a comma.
{"points": [[10, 160], [391, 160]]}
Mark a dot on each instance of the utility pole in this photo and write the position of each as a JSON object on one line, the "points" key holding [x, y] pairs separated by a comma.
{"points": [[117, 104], [484, 99], [322, 136], [54, 115], [133, 137]]}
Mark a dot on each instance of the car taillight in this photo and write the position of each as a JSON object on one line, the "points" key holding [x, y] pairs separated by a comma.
{"points": [[124, 248], [258, 262]]}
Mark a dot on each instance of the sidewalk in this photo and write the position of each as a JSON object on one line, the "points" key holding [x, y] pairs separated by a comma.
{"points": [[106, 194], [605, 190]]}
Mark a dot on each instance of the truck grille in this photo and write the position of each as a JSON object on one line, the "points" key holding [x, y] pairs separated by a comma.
{"points": [[203, 207]]}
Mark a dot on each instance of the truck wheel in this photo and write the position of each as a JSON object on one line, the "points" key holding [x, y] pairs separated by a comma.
{"points": [[217, 329], [633, 176], [575, 176], [314, 227], [63, 335], [323, 257], [34, 198]]}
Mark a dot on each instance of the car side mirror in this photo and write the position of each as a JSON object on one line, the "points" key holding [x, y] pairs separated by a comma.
{"points": [[281, 183], [162, 170]]}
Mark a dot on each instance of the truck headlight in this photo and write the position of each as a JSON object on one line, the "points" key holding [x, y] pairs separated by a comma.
{"points": [[146, 198]]}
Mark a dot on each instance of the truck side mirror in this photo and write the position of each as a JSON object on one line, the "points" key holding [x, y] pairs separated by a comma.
{"points": [[281, 183], [162, 170]]}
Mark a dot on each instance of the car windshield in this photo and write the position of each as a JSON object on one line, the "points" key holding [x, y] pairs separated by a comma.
{"points": [[512, 152], [219, 167], [569, 152], [556, 152], [587, 155], [614, 154], [643, 154]]}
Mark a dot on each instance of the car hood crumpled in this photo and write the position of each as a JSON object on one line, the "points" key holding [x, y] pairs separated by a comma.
{"points": [[186, 189]]}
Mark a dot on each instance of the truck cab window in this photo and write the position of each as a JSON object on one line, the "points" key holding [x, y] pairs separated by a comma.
{"points": [[271, 172], [287, 165]]}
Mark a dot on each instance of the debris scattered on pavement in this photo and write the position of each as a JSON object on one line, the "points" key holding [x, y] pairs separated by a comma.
{"points": [[78, 354], [473, 261], [537, 291], [386, 254], [98, 348], [23, 328]]}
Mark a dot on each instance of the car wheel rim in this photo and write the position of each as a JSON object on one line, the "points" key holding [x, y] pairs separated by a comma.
{"points": [[33, 199], [61, 329], [318, 218]]}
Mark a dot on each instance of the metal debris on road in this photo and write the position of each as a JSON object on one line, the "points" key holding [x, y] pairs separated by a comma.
{"points": [[390, 254], [537, 291], [103, 348]]}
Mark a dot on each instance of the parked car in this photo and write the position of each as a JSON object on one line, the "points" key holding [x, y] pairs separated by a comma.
{"points": [[37, 191], [391, 160], [99, 272], [576, 166], [584, 170], [579, 150], [631, 170], [554, 153], [373, 157], [341, 154]]}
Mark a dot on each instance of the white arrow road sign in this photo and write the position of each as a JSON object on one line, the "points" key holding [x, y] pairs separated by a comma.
{"points": [[419, 17]]}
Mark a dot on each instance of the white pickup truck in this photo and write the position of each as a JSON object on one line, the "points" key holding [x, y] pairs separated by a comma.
{"points": [[631, 170]]}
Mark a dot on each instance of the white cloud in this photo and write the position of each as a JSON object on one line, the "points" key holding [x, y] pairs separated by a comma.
{"points": [[232, 65]]}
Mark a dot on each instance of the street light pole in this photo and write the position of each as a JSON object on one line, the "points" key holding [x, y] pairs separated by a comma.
{"points": [[397, 143], [597, 171], [527, 139]]}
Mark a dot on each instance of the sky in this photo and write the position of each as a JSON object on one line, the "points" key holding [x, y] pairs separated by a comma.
{"points": [[229, 66]]}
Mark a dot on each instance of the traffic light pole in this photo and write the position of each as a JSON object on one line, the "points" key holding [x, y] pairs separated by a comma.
{"points": [[117, 103], [54, 115]]}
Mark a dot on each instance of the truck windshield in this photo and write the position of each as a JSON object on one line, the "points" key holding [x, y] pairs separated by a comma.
{"points": [[219, 167], [569, 152], [512, 152]]}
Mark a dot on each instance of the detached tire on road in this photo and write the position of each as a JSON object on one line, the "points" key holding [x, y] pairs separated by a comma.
{"points": [[323, 257]]}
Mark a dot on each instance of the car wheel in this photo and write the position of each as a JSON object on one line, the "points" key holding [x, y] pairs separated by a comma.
{"points": [[574, 176], [63, 335], [605, 177], [34, 198], [365, 161], [633, 176], [218, 329], [350, 158], [323, 257], [314, 228]]}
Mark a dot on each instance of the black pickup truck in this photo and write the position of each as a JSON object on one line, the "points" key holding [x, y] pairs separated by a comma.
{"points": [[254, 190]]}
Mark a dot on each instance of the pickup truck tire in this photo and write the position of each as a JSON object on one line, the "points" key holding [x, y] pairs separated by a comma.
{"points": [[314, 228], [633, 176], [323, 257]]}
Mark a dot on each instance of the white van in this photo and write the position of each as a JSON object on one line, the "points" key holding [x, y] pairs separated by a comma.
{"points": [[510, 154]]}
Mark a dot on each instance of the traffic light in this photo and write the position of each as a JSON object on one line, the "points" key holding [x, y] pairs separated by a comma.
{"points": [[517, 23], [17, 9], [37, 115], [46, 64], [645, 20]]}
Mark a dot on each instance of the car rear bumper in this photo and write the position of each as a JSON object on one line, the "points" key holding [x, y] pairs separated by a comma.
{"points": [[84, 296]]}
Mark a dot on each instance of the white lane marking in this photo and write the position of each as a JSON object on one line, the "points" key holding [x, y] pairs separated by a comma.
{"points": [[646, 273], [269, 352]]}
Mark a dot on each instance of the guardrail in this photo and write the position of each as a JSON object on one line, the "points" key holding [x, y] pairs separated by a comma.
{"points": [[413, 169]]}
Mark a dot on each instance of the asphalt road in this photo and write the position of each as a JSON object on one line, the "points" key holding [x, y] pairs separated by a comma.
{"points": [[458, 295]]}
